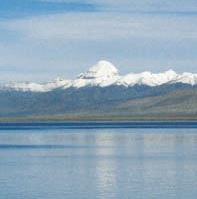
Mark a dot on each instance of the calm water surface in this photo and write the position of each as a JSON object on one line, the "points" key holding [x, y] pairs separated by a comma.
{"points": [[98, 163]]}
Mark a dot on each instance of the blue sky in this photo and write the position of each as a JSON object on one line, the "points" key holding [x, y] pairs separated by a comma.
{"points": [[43, 39]]}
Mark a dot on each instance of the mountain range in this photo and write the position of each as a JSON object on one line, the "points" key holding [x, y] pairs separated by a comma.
{"points": [[101, 93]]}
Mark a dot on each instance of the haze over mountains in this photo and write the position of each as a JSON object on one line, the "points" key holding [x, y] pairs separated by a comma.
{"points": [[101, 92]]}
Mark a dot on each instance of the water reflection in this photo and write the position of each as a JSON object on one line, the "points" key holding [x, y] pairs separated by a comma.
{"points": [[121, 163]]}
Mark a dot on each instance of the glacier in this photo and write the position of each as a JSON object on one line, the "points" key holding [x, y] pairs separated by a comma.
{"points": [[105, 74]]}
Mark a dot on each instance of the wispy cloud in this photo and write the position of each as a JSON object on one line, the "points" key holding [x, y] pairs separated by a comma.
{"points": [[154, 6], [63, 37], [22, 8], [103, 26], [25, 8]]}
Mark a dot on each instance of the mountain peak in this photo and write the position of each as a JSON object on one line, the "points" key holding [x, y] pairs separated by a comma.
{"points": [[101, 69], [171, 72]]}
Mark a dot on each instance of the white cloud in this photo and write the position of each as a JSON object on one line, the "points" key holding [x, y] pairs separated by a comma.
{"points": [[103, 26], [140, 5], [66, 44], [83, 26]]}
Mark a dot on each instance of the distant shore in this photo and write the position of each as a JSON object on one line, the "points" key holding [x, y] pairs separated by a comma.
{"points": [[95, 118], [43, 125]]}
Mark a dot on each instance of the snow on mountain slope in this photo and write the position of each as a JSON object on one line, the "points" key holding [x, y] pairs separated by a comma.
{"points": [[34, 87], [103, 69], [105, 74], [102, 74], [148, 78], [187, 78]]}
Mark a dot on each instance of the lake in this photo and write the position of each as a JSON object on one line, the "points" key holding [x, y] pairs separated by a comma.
{"points": [[74, 163]]}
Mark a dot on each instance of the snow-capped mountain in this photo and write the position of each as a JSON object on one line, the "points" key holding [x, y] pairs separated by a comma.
{"points": [[103, 69], [105, 74], [101, 91]]}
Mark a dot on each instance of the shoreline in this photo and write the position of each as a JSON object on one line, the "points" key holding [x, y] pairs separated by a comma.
{"points": [[95, 119], [41, 125]]}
